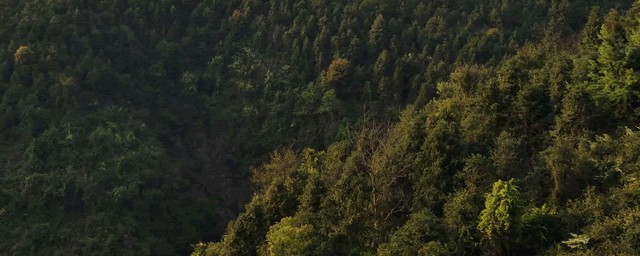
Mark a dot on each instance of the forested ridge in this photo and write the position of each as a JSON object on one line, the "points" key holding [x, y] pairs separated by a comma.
{"points": [[430, 127]]}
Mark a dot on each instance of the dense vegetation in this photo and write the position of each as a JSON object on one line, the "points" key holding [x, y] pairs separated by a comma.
{"points": [[393, 127], [532, 153]]}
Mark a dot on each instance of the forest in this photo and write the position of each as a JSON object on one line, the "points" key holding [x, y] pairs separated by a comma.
{"points": [[317, 127]]}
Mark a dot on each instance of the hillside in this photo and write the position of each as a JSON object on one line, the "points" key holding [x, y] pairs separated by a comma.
{"points": [[366, 127], [533, 153]]}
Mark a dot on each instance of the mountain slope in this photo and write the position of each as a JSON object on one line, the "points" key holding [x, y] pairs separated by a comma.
{"points": [[130, 127], [536, 155]]}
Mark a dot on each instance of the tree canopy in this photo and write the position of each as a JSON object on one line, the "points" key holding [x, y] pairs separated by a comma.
{"points": [[288, 127]]}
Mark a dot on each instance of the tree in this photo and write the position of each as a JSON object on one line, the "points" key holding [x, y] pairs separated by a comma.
{"points": [[615, 82], [376, 33], [289, 237], [336, 73], [500, 220], [23, 55], [421, 229], [329, 102]]}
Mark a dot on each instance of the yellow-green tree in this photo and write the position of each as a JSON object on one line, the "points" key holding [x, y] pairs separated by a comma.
{"points": [[499, 221], [289, 237]]}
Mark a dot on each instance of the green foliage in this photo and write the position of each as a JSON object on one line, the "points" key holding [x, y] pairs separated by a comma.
{"points": [[132, 128], [336, 72], [414, 237], [577, 241], [540, 115], [615, 80], [287, 237], [500, 219], [541, 228]]}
